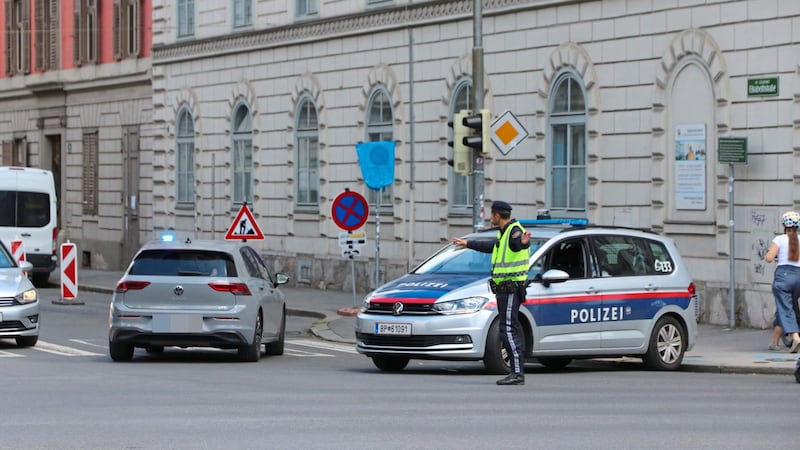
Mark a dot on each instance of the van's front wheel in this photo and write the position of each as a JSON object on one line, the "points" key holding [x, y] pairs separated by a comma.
{"points": [[667, 345], [495, 354]]}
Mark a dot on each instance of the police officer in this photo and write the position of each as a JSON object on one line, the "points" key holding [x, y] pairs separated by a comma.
{"points": [[509, 273]]}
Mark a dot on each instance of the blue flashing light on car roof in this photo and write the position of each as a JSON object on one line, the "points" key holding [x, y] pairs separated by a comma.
{"points": [[168, 236], [570, 222]]}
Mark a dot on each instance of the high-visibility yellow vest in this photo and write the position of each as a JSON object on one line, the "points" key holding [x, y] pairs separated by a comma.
{"points": [[508, 265]]}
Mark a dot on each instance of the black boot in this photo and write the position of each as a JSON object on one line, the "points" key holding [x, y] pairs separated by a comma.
{"points": [[512, 379]]}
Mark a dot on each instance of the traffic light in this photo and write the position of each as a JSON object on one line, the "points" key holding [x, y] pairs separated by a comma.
{"points": [[462, 155], [479, 137]]}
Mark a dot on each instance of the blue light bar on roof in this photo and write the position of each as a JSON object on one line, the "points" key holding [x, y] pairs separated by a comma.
{"points": [[570, 222], [168, 237]]}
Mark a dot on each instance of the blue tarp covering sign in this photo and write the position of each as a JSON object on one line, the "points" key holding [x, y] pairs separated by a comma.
{"points": [[376, 160]]}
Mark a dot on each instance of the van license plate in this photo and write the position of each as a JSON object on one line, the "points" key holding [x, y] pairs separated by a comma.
{"points": [[393, 328]]}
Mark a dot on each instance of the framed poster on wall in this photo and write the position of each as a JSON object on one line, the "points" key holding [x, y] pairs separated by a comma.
{"points": [[690, 166]]}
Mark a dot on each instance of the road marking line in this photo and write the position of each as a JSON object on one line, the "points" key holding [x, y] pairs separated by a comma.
{"points": [[4, 354], [305, 354], [90, 344], [62, 350], [324, 345]]}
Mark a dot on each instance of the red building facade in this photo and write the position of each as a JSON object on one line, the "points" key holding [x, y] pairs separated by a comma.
{"points": [[76, 98]]}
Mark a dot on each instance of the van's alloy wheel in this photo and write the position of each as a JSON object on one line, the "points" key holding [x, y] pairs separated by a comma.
{"points": [[667, 345]]}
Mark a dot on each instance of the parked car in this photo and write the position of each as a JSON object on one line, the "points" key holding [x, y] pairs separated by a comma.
{"points": [[593, 292], [19, 300], [189, 293]]}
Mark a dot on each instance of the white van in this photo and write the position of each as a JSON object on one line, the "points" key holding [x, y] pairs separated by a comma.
{"points": [[28, 212]]}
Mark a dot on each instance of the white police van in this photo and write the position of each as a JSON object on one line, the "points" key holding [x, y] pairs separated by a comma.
{"points": [[28, 204], [593, 292]]}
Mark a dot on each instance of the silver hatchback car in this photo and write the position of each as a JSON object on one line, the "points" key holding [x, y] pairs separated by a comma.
{"points": [[198, 294], [19, 301], [592, 292]]}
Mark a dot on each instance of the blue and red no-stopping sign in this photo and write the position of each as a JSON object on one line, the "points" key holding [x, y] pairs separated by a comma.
{"points": [[350, 210]]}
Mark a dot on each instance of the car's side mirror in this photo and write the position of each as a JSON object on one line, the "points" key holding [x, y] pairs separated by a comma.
{"points": [[281, 278], [26, 266], [554, 276]]}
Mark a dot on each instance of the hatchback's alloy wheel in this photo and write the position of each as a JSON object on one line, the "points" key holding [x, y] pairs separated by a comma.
{"points": [[276, 348], [252, 352], [120, 351]]}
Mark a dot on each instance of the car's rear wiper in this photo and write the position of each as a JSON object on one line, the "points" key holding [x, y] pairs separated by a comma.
{"points": [[190, 273]]}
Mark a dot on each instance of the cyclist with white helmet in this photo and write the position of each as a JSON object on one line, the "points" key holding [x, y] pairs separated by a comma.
{"points": [[785, 249]]}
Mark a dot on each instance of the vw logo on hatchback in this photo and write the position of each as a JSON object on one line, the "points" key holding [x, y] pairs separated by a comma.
{"points": [[178, 290]]}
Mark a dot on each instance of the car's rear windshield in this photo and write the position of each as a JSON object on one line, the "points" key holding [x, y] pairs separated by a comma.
{"points": [[453, 259], [24, 209], [181, 262]]}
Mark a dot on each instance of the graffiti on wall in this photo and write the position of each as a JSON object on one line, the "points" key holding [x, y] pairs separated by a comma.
{"points": [[762, 225]]}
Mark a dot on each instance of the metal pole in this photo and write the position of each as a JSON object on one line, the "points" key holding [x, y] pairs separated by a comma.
{"points": [[213, 194], [732, 259], [378, 238], [353, 272], [411, 119], [477, 105]]}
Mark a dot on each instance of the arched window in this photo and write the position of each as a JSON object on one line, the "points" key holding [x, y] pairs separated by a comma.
{"points": [[307, 144], [242, 155], [379, 128], [185, 157], [460, 186], [692, 113], [567, 182]]}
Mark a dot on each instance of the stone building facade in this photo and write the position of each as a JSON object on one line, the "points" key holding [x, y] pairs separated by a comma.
{"points": [[263, 101]]}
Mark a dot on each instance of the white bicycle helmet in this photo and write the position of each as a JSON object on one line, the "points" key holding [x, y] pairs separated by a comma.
{"points": [[791, 219]]}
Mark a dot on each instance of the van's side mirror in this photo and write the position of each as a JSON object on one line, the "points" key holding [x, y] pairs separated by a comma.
{"points": [[554, 276]]}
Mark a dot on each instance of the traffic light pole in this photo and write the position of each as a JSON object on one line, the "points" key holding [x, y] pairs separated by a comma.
{"points": [[477, 105]]}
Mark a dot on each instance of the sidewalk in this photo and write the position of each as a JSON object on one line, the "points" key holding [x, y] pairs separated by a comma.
{"points": [[718, 350]]}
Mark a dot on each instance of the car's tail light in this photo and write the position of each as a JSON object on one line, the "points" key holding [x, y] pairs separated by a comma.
{"points": [[233, 288], [692, 289], [125, 286]]}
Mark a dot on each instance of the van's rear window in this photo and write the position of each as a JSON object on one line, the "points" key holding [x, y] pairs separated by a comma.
{"points": [[27, 209], [184, 263]]}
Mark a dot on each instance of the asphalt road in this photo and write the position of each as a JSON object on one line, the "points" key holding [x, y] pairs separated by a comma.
{"points": [[67, 393]]}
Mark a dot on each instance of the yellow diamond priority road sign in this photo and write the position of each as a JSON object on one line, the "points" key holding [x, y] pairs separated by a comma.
{"points": [[507, 132]]}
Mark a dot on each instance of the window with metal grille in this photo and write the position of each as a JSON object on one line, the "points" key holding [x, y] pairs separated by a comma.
{"points": [[567, 140], [18, 39], [307, 136], [242, 155], [127, 28], [242, 13], [90, 172], [460, 185], [85, 36], [379, 128], [185, 157], [306, 8], [47, 34], [185, 18]]}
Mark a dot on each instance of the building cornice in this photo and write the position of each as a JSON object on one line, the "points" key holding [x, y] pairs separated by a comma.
{"points": [[367, 22]]}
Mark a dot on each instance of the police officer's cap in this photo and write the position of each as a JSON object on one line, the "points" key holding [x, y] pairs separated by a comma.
{"points": [[499, 205]]}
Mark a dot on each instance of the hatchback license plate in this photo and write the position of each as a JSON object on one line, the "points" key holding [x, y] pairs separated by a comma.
{"points": [[177, 323], [393, 328]]}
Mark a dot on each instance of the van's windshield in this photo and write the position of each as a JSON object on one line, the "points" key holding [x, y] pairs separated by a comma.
{"points": [[27, 209]]}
